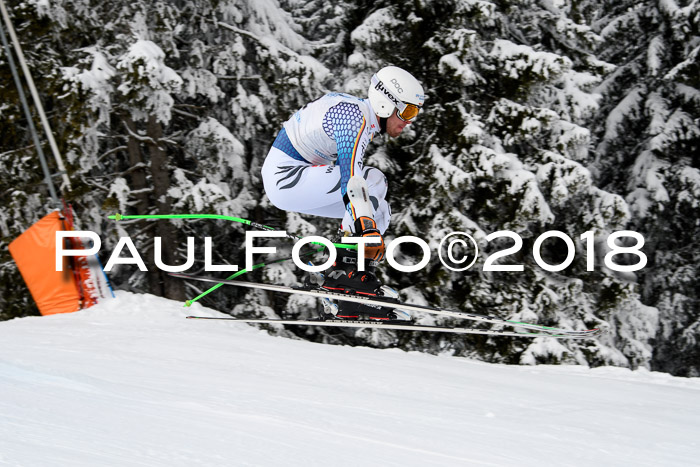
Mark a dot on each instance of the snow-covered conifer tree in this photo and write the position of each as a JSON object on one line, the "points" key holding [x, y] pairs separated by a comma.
{"points": [[503, 145], [648, 152], [541, 116], [170, 107]]}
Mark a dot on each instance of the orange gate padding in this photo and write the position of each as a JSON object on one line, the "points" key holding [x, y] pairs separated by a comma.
{"points": [[35, 254]]}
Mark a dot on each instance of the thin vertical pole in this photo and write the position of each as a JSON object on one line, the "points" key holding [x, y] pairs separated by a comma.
{"points": [[35, 96], [28, 115]]}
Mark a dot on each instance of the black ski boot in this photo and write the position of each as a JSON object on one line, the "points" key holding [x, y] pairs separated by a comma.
{"points": [[344, 277]]}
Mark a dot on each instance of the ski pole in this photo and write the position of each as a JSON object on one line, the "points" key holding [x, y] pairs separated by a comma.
{"points": [[243, 271], [256, 225], [119, 217]]}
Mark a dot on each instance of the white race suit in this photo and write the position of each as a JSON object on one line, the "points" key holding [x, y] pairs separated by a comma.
{"points": [[315, 154]]}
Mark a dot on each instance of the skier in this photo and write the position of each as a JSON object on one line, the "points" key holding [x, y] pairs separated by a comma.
{"points": [[320, 149]]}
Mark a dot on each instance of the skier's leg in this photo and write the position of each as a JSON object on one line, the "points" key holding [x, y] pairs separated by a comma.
{"points": [[377, 186], [293, 185], [349, 273]]}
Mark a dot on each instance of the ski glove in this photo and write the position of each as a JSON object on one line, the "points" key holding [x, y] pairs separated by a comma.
{"points": [[366, 227]]}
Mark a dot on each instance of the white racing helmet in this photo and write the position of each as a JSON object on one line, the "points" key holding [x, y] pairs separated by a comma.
{"points": [[395, 88]]}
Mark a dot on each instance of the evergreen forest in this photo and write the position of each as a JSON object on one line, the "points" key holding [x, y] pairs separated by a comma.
{"points": [[573, 116]]}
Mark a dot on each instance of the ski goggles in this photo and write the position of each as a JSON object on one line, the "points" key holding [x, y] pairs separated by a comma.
{"points": [[405, 111], [409, 113]]}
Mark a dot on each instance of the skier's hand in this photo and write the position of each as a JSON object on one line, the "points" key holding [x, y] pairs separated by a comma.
{"points": [[366, 227]]}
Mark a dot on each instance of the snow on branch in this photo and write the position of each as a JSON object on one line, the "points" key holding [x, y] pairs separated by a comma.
{"points": [[147, 82], [521, 61]]}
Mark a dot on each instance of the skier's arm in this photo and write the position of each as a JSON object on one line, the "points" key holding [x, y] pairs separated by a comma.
{"points": [[347, 124], [349, 128]]}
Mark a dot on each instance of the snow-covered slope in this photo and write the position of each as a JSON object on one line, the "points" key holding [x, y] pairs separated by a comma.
{"points": [[131, 382]]}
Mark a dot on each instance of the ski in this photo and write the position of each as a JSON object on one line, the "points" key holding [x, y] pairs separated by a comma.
{"points": [[379, 301], [393, 325]]}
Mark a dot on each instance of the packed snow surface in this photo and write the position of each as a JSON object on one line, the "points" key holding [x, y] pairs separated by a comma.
{"points": [[131, 382]]}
